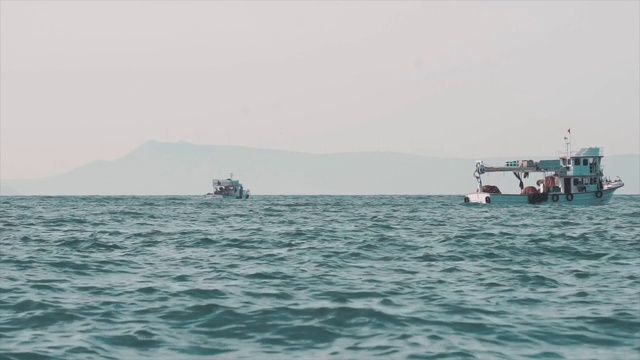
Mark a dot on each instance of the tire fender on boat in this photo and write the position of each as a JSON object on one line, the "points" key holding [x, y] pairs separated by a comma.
{"points": [[569, 197], [487, 200], [598, 194], [555, 197], [466, 199]]}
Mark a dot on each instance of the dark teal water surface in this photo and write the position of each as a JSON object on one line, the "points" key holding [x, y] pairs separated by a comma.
{"points": [[317, 277]]}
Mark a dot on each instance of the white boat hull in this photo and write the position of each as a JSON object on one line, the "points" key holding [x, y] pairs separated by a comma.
{"points": [[222, 197], [602, 197]]}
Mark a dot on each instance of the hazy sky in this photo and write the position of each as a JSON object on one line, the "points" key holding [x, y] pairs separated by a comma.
{"points": [[91, 80]]}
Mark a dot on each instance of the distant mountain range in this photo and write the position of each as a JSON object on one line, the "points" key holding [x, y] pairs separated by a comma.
{"points": [[157, 168]]}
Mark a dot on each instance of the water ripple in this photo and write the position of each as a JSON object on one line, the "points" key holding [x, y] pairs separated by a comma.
{"points": [[419, 277]]}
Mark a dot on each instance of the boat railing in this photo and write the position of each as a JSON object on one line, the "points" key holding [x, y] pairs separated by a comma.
{"points": [[565, 155], [573, 153]]}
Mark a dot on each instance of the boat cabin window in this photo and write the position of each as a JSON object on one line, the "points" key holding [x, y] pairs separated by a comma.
{"points": [[585, 162], [576, 161]]}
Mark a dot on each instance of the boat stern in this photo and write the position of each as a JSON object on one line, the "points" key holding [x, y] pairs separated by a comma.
{"points": [[478, 198]]}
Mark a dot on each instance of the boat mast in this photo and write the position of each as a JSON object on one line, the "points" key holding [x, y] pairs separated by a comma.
{"points": [[567, 144]]}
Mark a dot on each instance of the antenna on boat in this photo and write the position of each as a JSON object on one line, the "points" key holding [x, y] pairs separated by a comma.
{"points": [[567, 143]]}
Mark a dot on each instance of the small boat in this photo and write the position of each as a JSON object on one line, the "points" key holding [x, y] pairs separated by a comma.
{"points": [[572, 178], [228, 189]]}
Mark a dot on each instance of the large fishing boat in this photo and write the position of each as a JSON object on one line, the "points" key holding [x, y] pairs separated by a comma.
{"points": [[572, 178], [228, 189]]}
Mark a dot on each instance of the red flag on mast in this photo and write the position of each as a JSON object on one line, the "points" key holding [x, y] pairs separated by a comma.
{"points": [[569, 130]]}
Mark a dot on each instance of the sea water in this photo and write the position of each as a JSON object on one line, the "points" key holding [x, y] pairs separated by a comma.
{"points": [[317, 277]]}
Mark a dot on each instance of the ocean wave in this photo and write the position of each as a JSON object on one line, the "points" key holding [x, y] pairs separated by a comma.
{"points": [[316, 277]]}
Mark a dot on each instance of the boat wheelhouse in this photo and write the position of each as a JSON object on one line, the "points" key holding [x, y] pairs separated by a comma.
{"points": [[573, 178], [228, 189]]}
